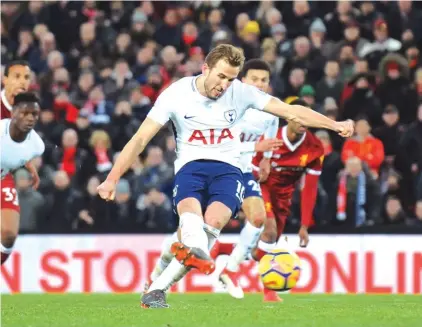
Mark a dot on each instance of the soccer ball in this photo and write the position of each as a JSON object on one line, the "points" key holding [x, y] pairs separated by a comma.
{"points": [[279, 270]]}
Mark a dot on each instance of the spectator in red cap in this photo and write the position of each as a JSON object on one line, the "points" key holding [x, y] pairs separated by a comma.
{"points": [[383, 44], [368, 15], [395, 87]]}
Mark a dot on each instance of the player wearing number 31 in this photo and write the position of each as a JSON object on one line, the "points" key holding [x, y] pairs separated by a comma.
{"points": [[205, 111], [19, 145]]}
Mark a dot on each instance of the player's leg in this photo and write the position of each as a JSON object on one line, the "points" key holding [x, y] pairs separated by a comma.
{"points": [[267, 243], [268, 237], [164, 260], [9, 231], [253, 207], [185, 256], [249, 235], [9, 217], [226, 248], [192, 251], [226, 192]]}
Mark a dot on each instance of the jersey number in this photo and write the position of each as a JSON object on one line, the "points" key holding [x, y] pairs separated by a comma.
{"points": [[255, 186], [240, 192], [10, 195]]}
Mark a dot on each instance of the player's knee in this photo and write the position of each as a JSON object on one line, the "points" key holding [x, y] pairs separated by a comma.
{"points": [[258, 219], [8, 237], [269, 236], [191, 205], [217, 215], [216, 222]]}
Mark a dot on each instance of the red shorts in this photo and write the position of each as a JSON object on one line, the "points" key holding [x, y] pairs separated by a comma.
{"points": [[9, 196], [277, 205]]}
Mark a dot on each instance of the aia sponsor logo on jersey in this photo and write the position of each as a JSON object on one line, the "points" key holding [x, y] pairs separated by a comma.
{"points": [[213, 137]]}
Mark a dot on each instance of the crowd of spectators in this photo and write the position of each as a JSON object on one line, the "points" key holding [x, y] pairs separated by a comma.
{"points": [[99, 66]]}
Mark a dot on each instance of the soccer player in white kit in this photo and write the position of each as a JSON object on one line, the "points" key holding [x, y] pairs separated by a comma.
{"points": [[209, 186], [19, 145], [253, 125]]}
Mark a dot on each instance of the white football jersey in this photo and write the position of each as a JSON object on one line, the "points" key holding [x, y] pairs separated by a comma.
{"points": [[206, 128], [15, 155], [253, 125]]}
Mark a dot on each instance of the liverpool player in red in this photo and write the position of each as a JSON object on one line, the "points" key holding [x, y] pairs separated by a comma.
{"points": [[17, 77], [300, 153]]}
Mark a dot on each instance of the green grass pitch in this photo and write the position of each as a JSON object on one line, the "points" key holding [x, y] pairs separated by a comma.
{"points": [[209, 310]]}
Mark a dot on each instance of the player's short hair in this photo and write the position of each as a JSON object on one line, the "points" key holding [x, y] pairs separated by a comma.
{"points": [[227, 52], [25, 97], [299, 102], [15, 63], [257, 64], [362, 117]]}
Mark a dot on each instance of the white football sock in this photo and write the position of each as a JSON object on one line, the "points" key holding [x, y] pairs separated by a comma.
{"points": [[165, 257], [192, 231], [192, 235], [5, 250], [247, 240], [172, 274], [267, 247], [212, 234]]}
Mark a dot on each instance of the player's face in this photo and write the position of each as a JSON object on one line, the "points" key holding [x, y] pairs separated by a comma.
{"points": [[258, 78], [18, 79], [297, 128], [26, 116], [219, 78]]}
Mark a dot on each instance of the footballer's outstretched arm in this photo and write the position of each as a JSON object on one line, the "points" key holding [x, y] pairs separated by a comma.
{"points": [[307, 117], [148, 129]]}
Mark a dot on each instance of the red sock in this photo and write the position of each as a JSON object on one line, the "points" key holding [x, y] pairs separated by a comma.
{"points": [[4, 257], [215, 250], [259, 254], [226, 248], [266, 291]]}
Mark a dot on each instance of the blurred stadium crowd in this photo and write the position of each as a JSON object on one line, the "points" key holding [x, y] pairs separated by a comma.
{"points": [[99, 66]]}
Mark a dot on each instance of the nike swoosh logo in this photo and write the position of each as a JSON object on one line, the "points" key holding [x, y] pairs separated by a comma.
{"points": [[188, 117]]}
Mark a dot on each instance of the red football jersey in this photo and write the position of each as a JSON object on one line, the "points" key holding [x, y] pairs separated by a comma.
{"points": [[290, 161], [6, 107]]}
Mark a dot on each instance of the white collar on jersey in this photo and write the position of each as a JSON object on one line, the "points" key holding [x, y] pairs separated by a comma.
{"points": [[290, 146], [194, 88], [196, 91], [4, 100]]}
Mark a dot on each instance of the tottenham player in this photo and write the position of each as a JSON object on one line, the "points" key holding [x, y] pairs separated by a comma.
{"points": [[19, 144], [253, 125], [301, 152], [209, 186]]}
